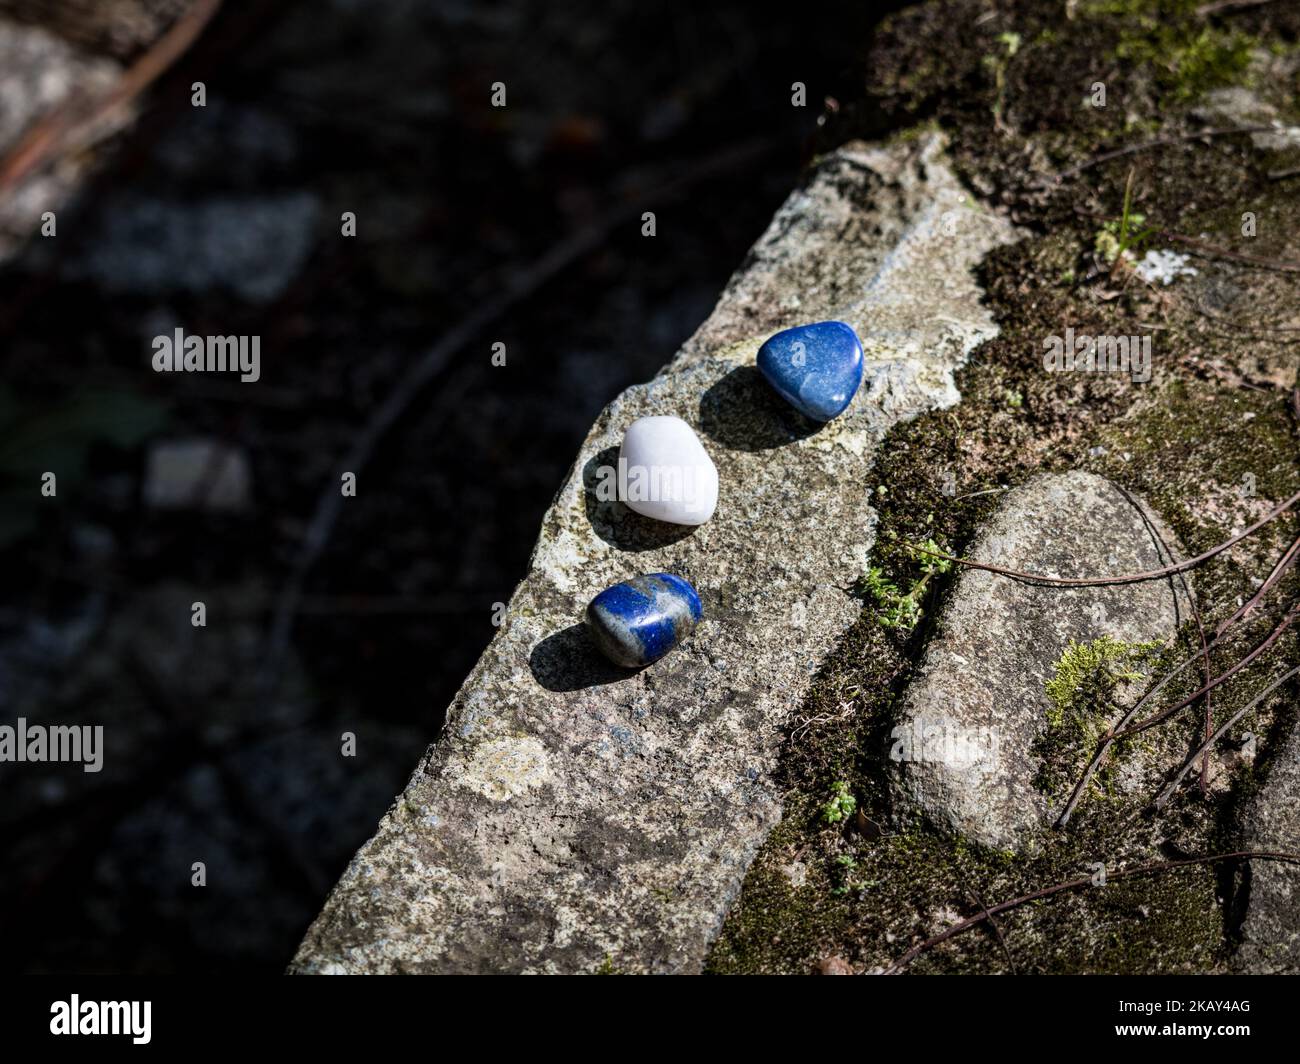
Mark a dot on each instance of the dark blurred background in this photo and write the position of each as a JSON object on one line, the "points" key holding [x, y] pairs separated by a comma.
{"points": [[178, 488]]}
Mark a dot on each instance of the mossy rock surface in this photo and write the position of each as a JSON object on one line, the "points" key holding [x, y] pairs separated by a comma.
{"points": [[1210, 443], [729, 807]]}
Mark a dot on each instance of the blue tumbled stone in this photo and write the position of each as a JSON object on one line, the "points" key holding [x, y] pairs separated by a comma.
{"points": [[815, 368], [640, 620]]}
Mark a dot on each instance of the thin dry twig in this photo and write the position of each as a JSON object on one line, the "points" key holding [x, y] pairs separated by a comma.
{"points": [[1199, 247], [1159, 539], [1162, 799], [1165, 714], [1240, 329], [1117, 730], [1075, 884], [1111, 735], [72, 123], [1157, 142], [1229, 5], [996, 926], [1209, 710], [1108, 581], [1213, 251], [1245, 609]]}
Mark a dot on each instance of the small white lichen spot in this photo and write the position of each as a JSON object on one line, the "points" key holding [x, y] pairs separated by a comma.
{"points": [[561, 556], [566, 923], [504, 768], [1163, 267]]}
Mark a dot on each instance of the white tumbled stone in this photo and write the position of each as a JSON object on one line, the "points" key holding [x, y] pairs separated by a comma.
{"points": [[665, 473]]}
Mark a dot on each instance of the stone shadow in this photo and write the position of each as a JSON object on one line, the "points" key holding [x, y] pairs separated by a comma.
{"points": [[569, 661], [743, 413], [615, 522]]}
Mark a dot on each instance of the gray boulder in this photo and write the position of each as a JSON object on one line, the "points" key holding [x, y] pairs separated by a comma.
{"points": [[962, 751], [576, 817]]}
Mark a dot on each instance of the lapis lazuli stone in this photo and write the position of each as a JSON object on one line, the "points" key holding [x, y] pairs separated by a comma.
{"points": [[815, 368], [640, 620]]}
